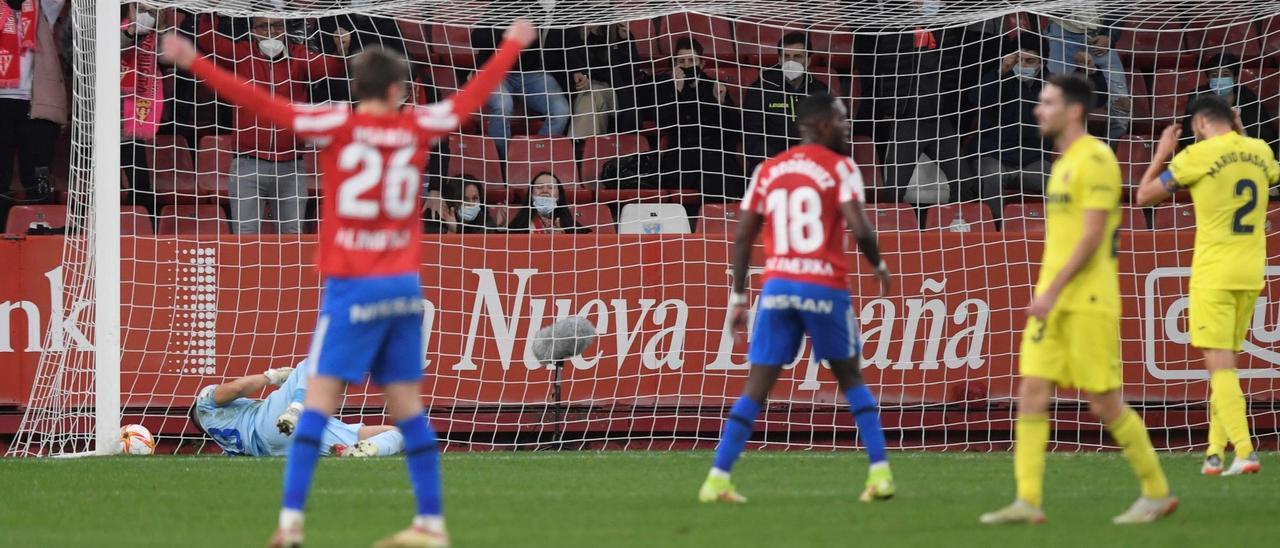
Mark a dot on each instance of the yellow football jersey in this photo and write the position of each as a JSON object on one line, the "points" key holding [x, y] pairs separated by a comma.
{"points": [[1229, 176], [1087, 176]]}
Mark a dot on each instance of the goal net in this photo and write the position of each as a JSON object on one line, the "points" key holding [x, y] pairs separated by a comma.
{"points": [[608, 171]]}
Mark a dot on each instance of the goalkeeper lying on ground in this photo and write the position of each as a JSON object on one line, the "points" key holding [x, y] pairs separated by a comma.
{"points": [[242, 425]]}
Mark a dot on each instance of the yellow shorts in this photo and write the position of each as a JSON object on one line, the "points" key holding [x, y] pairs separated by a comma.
{"points": [[1074, 349], [1219, 318]]}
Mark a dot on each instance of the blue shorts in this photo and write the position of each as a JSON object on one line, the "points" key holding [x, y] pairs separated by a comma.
{"points": [[789, 309], [370, 326]]}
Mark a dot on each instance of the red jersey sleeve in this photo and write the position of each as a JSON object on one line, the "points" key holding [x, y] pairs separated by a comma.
{"points": [[447, 115], [850, 182], [754, 199]]}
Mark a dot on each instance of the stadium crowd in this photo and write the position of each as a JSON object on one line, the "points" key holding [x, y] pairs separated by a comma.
{"points": [[678, 109]]}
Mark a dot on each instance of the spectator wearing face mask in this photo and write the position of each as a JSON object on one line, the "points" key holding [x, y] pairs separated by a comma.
{"points": [[33, 99], [1012, 154], [461, 209], [1222, 71], [1082, 42], [546, 211], [267, 167], [768, 106], [703, 127], [142, 99]]}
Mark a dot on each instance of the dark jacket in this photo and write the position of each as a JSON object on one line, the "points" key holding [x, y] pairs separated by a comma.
{"points": [[768, 114], [522, 222], [694, 118], [1009, 126], [485, 41], [608, 59], [1258, 122]]}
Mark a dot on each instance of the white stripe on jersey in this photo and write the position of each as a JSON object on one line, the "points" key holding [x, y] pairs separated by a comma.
{"points": [[438, 116], [305, 123], [851, 184]]}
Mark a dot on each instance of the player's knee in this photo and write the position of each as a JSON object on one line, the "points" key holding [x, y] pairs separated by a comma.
{"points": [[1107, 406], [847, 373], [1033, 395]]}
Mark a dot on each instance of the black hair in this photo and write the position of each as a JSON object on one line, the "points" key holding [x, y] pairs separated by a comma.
{"points": [[374, 70], [1213, 107], [1076, 89], [793, 38], [191, 416], [1224, 60], [688, 43], [818, 105]]}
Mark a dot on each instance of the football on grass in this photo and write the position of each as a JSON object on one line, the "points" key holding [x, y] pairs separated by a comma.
{"points": [[135, 439]]}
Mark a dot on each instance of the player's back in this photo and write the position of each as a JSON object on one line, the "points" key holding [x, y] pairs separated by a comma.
{"points": [[232, 425], [371, 169], [799, 192], [1229, 177]]}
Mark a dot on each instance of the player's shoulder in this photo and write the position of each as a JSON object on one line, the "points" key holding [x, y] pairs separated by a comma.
{"points": [[1095, 151], [204, 398]]}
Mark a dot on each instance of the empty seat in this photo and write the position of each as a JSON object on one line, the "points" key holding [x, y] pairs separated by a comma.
{"points": [[529, 156], [173, 171], [21, 217], [736, 80], [1148, 42], [1269, 88], [1132, 218], [1134, 155], [1177, 216], [967, 217], [642, 32], [597, 217], [1026, 217], [864, 154], [451, 45], [416, 36], [1170, 92], [601, 149], [719, 219], [213, 164], [134, 221], [714, 33], [474, 156], [1210, 38], [893, 217], [832, 46], [653, 219], [200, 219], [758, 42]]}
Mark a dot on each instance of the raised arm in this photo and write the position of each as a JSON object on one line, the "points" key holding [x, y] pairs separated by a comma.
{"points": [[182, 54], [251, 385], [448, 114], [1157, 183]]}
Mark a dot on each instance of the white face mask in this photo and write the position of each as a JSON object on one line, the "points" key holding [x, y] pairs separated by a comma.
{"points": [[145, 23], [792, 70], [271, 47], [1026, 73], [545, 205], [469, 212], [931, 7]]}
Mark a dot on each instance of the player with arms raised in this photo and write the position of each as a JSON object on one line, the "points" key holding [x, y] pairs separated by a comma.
{"points": [[1072, 338], [1228, 174], [802, 199], [370, 323]]}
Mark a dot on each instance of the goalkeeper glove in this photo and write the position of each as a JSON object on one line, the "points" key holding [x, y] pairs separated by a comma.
{"points": [[288, 420], [279, 375]]}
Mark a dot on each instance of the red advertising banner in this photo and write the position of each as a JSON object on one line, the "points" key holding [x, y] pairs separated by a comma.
{"points": [[199, 310]]}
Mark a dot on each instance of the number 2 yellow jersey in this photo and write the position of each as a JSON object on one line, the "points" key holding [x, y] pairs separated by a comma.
{"points": [[1086, 177], [1228, 176]]}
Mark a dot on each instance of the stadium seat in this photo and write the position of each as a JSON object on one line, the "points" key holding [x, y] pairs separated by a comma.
{"points": [[833, 47], [718, 219], [1025, 217], [134, 221], [714, 33], [452, 45], [1170, 92], [599, 150], [1270, 30], [1132, 218], [597, 217], [416, 36], [174, 173], [1141, 107], [21, 217], [529, 156], [1272, 225], [966, 217], [1134, 155], [1151, 44], [642, 32], [864, 154], [653, 219], [213, 164], [758, 42], [893, 217], [201, 219], [832, 81], [1269, 89], [624, 196], [1173, 217], [1239, 38], [736, 80], [475, 156]]}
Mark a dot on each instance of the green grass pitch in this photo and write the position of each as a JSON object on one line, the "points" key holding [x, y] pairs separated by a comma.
{"points": [[622, 499]]}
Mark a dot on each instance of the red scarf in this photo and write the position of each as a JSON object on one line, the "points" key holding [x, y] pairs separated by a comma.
{"points": [[17, 38], [140, 87]]}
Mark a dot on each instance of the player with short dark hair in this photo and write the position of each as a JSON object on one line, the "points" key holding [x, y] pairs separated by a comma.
{"points": [[1072, 337], [370, 251], [1228, 174], [802, 199]]}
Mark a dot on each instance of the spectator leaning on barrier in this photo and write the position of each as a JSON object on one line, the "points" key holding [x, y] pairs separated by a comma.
{"points": [[1082, 41], [33, 98], [1012, 154], [530, 81], [1222, 72], [267, 165], [768, 106], [696, 113], [142, 98], [546, 209]]}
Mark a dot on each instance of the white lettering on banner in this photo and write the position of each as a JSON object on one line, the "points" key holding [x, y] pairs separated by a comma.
{"points": [[33, 325], [489, 303], [1160, 325], [359, 239], [62, 328], [799, 265]]}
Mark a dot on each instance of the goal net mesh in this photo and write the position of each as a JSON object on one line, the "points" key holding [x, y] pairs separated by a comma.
{"points": [[643, 119]]}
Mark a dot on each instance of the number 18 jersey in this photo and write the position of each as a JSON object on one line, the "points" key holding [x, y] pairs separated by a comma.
{"points": [[799, 193]]}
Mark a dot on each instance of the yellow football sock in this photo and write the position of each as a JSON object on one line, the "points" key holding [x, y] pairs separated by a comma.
{"points": [[1227, 400], [1031, 437], [1217, 435], [1131, 434]]}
